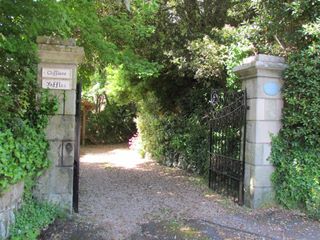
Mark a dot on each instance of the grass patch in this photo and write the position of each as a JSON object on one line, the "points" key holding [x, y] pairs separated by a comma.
{"points": [[182, 230]]}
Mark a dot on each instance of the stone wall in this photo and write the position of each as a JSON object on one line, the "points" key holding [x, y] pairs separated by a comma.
{"points": [[61, 56], [9, 202], [261, 76]]}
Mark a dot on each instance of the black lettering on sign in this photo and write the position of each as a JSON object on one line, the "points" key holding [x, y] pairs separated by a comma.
{"points": [[56, 84], [57, 73]]}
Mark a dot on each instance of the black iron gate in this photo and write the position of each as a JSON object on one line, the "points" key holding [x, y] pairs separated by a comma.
{"points": [[227, 143], [76, 165]]}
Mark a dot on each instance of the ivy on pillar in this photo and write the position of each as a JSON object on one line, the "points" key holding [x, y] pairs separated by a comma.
{"points": [[261, 76]]}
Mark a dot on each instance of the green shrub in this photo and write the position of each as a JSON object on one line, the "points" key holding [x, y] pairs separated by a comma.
{"points": [[115, 124], [296, 151], [176, 138], [297, 179]]}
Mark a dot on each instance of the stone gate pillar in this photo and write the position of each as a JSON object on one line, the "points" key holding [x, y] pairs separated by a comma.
{"points": [[57, 71], [261, 76]]}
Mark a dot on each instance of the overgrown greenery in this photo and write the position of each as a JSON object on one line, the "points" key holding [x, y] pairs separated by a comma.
{"points": [[24, 107], [198, 45], [33, 216], [296, 151], [23, 152], [177, 138], [114, 124]]}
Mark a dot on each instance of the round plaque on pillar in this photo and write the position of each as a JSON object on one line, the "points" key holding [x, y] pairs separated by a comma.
{"points": [[271, 88]]}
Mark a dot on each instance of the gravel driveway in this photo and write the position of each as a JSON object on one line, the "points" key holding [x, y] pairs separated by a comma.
{"points": [[123, 196]]}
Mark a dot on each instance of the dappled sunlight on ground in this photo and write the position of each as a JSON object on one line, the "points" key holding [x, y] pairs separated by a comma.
{"points": [[120, 157]]}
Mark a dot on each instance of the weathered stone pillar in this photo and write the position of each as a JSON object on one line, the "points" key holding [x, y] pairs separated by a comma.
{"points": [[261, 76], [57, 71]]}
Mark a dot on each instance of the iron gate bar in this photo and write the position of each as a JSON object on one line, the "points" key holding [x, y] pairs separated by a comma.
{"points": [[76, 165], [227, 143]]}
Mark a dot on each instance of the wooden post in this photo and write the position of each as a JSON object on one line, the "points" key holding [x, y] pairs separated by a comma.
{"points": [[83, 129]]}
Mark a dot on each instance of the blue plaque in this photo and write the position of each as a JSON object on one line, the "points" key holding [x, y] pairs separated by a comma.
{"points": [[271, 88]]}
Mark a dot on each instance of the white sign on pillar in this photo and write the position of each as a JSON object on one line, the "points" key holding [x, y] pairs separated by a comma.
{"points": [[57, 78]]}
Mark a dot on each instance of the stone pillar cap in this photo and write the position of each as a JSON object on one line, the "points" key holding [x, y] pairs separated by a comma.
{"points": [[56, 41], [59, 51], [261, 61]]}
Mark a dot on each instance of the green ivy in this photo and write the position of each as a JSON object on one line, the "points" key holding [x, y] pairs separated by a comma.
{"points": [[296, 151], [23, 152]]}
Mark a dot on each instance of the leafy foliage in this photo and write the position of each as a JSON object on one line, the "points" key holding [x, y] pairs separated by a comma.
{"points": [[282, 24], [296, 152], [176, 138], [31, 219], [24, 107], [33, 216], [23, 152], [112, 38], [198, 44], [296, 178], [115, 124], [18, 60], [215, 56], [110, 35]]}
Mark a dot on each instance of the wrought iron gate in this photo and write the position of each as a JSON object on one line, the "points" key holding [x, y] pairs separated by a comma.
{"points": [[76, 165], [227, 143]]}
